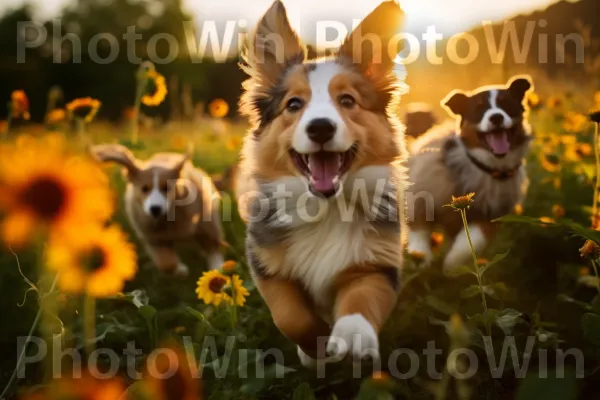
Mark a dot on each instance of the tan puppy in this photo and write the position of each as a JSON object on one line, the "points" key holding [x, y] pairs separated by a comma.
{"points": [[168, 201], [482, 151], [323, 161]]}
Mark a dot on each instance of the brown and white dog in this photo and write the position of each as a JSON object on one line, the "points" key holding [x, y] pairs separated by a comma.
{"points": [[169, 201], [482, 152], [319, 183]]}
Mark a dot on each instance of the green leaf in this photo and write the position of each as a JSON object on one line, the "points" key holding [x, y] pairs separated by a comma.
{"points": [[196, 313], [566, 299], [508, 319], [488, 317], [459, 271], [147, 312], [550, 388], [469, 292], [591, 328], [497, 258], [303, 392], [439, 305], [495, 290]]}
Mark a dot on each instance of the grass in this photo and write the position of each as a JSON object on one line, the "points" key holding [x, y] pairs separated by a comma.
{"points": [[541, 290]]}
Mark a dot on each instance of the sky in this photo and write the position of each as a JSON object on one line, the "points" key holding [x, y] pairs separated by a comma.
{"points": [[449, 16]]}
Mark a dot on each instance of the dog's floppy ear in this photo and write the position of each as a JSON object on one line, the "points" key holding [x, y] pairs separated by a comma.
{"points": [[118, 154], [520, 85], [375, 42], [456, 103], [272, 47]]}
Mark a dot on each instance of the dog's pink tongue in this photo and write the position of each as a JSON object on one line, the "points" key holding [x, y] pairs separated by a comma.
{"points": [[498, 142], [324, 167]]}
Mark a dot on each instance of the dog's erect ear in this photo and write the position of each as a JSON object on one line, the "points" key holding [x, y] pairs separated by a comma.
{"points": [[189, 153], [456, 103], [118, 154], [375, 42], [272, 47], [520, 85]]}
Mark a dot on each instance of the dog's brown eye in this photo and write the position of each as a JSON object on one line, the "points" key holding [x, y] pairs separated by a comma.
{"points": [[347, 100], [146, 189], [294, 104]]}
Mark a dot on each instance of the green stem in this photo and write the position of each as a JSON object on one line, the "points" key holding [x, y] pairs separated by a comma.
{"points": [[21, 358], [463, 214], [597, 276], [89, 323]]}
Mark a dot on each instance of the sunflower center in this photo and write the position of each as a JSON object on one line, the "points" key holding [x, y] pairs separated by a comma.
{"points": [[216, 284], [46, 197], [94, 259]]}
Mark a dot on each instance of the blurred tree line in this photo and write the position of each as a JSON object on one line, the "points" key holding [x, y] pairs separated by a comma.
{"points": [[113, 83]]}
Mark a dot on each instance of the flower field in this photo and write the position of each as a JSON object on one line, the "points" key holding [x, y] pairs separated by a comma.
{"points": [[73, 275]]}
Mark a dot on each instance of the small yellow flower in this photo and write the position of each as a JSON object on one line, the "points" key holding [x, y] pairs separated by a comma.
{"points": [[550, 162], [97, 261], [233, 143], [229, 266], [84, 108], [218, 108], [584, 271], [574, 122], [179, 329], [417, 256], [380, 376], [518, 209], [558, 211], [179, 142], [44, 188], [482, 262], [19, 105], [462, 202], [546, 220], [56, 116], [590, 249], [533, 100], [157, 89], [437, 239], [554, 102], [456, 321], [85, 387]]}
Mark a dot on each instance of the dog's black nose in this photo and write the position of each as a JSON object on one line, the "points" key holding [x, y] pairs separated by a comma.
{"points": [[155, 211], [497, 119], [320, 130]]}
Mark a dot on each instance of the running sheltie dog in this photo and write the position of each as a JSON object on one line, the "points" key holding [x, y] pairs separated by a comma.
{"points": [[319, 181], [169, 201], [483, 152]]}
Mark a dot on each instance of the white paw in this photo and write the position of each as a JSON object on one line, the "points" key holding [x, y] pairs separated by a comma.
{"points": [[182, 270], [307, 361], [460, 252], [353, 336]]}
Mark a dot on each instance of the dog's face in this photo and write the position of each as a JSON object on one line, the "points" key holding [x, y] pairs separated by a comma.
{"points": [[154, 187], [321, 119], [493, 118]]}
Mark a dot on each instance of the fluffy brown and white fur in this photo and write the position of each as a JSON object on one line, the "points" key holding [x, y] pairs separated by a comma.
{"points": [[482, 152], [168, 201], [319, 184]]}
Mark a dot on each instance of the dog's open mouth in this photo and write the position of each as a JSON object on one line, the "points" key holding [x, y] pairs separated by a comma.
{"points": [[498, 142], [324, 169]]}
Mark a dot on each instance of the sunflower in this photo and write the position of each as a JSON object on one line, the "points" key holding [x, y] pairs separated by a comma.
{"points": [[156, 92], [84, 388], [56, 116], [575, 122], [97, 261], [19, 105], [41, 187], [84, 108], [550, 162], [218, 108], [554, 102], [215, 288], [533, 100], [462, 202], [181, 377]]}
